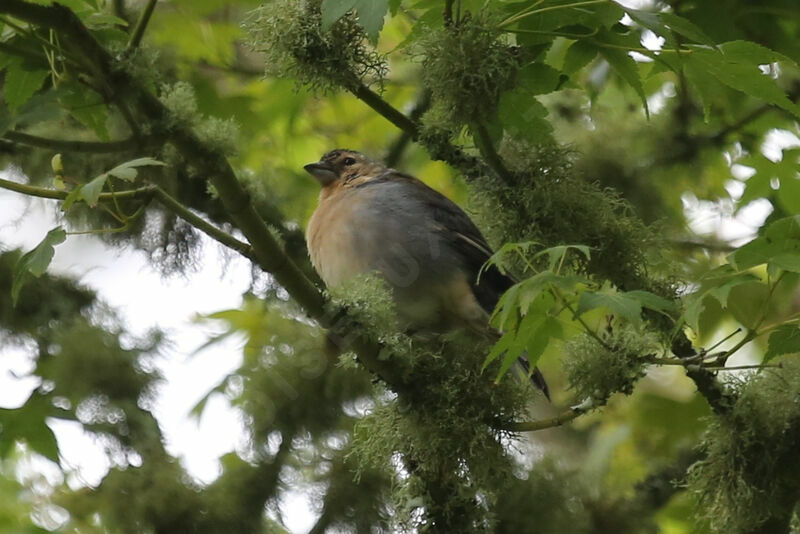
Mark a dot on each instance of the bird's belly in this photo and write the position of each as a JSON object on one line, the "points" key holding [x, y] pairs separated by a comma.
{"points": [[430, 290]]}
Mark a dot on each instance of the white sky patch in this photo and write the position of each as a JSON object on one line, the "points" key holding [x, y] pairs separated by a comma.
{"points": [[144, 300]]}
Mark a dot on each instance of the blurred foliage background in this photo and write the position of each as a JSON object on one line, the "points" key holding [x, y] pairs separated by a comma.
{"points": [[620, 156]]}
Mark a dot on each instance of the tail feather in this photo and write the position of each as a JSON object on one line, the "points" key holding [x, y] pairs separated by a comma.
{"points": [[537, 378]]}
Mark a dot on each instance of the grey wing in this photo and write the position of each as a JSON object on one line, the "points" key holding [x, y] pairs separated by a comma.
{"points": [[466, 240], [470, 245]]}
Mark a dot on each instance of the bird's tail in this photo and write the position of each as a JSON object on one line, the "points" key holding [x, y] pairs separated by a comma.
{"points": [[537, 378]]}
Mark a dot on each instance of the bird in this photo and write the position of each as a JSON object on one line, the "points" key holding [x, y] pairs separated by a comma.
{"points": [[372, 218]]}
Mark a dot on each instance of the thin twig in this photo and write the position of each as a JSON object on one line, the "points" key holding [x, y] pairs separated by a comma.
{"points": [[486, 147], [55, 194], [740, 367], [399, 145], [707, 245], [148, 191], [63, 145], [396, 117], [201, 224], [141, 25], [532, 426]]}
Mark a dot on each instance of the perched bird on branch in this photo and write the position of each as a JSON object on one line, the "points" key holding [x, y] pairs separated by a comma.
{"points": [[373, 218]]}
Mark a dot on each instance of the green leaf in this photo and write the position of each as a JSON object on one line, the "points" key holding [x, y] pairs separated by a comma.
{"points": [[528, 328], [779, 247], [664, 24], [746, 303], [685, 28], [652, 301], [740, 71], [579, 54], [722, 292], [750, 53], [499, 348], [618, 303], [333, 10], [28, 423], [523, 117], [74, 196], [558, 252], [370, 14], [21, 83], [538, 79], [127, 171], [709, 89], [90, 191], [784, 340], [36, 261], [88, 108], [626, 68], [506, 306], [99, 20], [693, 312]]}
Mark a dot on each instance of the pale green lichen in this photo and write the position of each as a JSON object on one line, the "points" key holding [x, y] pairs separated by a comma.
{"points": [[466, 66], [289, 34], [749, 476], [597, 371]]}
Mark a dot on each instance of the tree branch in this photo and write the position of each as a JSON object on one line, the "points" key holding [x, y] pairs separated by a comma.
{"points": [[531, 426], [439, 147], [19, 52], [149, 191], [399, 145], [141, 25], [486, 148], [62, 145], [396, 117], [54, 194], [201, 224]]}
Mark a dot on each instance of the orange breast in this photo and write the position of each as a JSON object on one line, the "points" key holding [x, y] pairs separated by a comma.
{"points": [[331, 241]]}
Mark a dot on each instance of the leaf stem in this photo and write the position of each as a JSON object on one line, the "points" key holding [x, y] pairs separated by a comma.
{"points": [[533, 11]]}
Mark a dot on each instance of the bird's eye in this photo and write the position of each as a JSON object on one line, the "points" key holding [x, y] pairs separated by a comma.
{"points": [[348, 161]]}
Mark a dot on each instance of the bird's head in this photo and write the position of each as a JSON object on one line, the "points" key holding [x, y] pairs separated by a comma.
{"points": [[342, 167]]}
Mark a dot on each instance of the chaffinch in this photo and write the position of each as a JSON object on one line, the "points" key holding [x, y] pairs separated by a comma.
{"points": [[373, 218]]}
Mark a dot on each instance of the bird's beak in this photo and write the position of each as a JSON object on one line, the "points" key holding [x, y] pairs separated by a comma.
{"points": [[323, 172]]}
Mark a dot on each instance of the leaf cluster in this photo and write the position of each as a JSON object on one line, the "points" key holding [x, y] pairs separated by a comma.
{"points": [[454, 465], [596, 371], [751, 469], [466, 66], [290, 36]]}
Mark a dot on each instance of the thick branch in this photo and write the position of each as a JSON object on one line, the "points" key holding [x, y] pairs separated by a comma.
{"points": [[20, 52], [62, 145], [439, 148], [720, 400]]}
